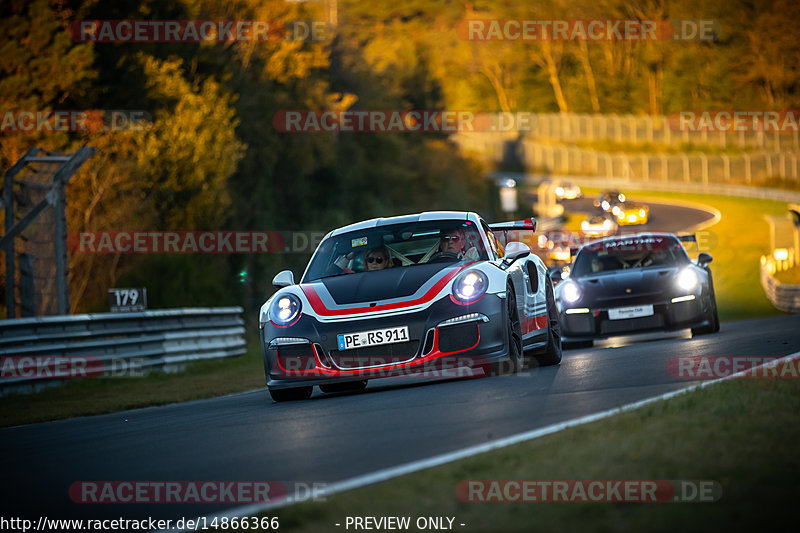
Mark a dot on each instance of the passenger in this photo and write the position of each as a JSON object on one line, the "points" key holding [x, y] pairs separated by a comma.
{"points": [[378, 258]]}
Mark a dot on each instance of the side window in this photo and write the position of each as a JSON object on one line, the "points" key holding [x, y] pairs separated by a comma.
{"points": [[493, 244]]}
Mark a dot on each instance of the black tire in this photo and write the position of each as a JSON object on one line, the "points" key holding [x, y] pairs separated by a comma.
{"points": [[516, 360], [712, 316], [350, 386], [551, 355], [290, 395]]}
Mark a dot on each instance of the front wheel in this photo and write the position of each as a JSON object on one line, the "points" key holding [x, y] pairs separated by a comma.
{"points": [[289, 395], [516, 360], [712, 317], [551, 355]]}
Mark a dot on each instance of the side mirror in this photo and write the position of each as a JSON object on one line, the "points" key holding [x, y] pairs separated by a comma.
{"points": [[704, 259], [283, 279], [515, 250], [556, 275]]}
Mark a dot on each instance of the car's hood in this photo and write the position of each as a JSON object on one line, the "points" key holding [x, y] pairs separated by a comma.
{"points": [[400, 282], [629, 283]]}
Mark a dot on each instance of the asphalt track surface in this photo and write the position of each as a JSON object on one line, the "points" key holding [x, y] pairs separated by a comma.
{"points": [[333, 437], [662, 217]]}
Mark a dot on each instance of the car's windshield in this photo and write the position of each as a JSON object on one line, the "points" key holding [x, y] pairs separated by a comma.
{"points": [[397, 246], [623, 254]]}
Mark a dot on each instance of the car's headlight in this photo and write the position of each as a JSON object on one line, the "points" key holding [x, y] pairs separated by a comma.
{"points": [[470, 286], [585, 225], [285, 309], [570, 292], [687, 279]]}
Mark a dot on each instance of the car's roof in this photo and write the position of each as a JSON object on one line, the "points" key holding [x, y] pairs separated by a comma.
{"points": [[407, 219]]}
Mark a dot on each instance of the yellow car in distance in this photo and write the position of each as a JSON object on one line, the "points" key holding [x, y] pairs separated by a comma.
{"points": [[631, 213]]}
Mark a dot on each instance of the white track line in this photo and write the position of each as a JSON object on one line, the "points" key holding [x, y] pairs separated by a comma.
{"points": [[438, 460]]}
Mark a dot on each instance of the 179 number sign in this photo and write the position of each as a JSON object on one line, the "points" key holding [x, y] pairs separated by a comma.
{"points": [[127, 300]]}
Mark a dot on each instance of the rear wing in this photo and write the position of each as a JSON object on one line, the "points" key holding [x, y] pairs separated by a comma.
{"points": [[691, 237], [529, 224]]}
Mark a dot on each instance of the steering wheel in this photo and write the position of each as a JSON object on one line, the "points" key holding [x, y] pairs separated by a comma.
{"points": [[444, 256]]}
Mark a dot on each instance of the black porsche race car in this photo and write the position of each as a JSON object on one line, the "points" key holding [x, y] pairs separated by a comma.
{"points": [[636, 283]]}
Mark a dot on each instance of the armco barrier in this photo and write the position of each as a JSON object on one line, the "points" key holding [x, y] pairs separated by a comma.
{"points": [[783, 296], [138, 341]]}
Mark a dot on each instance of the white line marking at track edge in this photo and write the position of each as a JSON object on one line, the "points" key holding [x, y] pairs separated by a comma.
{"points": [[438, 460]]}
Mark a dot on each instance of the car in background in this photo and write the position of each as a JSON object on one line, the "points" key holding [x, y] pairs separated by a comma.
{"points": [[636, 283], [609, 200], [599, 225], [632, 213], [446, 293], [567, 191]]}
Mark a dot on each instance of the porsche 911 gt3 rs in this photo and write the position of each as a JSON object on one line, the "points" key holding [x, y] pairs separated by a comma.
{"points": [[404, 295], [636, 283]]}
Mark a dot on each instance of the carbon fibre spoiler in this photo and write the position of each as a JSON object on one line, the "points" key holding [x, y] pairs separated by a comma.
{"points": [[529, 224]]}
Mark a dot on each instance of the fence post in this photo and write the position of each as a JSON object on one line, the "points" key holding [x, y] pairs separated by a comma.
{"points": [[748, 171], [726, 167], [704, 167], [685, 161]]}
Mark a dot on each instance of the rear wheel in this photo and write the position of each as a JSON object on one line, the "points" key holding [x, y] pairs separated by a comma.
{"points": [[289, 395], [551, 355], [350, 386]]}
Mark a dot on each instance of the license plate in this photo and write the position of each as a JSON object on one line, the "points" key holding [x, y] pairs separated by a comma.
{"points": [[376, 337], [630, 312]]}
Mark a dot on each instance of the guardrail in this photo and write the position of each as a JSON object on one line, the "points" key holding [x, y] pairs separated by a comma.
{"points": [[31, 348], [783, 296]]}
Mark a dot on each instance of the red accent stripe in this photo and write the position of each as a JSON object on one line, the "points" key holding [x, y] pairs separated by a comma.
{"points": [[534, 323], [320, 309]]}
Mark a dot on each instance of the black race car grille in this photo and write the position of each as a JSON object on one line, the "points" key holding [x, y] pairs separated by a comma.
{"points": [[375, 355], [458, 338], [626, 325], [296, 358]]}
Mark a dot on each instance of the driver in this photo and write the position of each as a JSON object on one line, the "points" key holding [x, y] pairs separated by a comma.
{"points": [[455, 243]]}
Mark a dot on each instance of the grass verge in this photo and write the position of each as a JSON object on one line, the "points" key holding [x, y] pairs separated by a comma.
{"points": [[741, 433], [202, 379]]}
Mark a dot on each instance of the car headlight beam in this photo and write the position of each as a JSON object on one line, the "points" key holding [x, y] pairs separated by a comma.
{"points": [[687, 279], [571, 293], [285, 309], [470, 286]]}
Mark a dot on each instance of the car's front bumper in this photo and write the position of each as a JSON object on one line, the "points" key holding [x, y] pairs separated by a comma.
{"points": [[667, 316], [307, 353]]}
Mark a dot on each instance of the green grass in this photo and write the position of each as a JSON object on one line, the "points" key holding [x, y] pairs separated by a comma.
{"points": [[742, 434], [202, 379]]}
